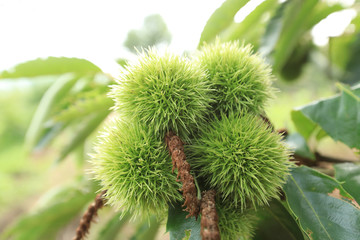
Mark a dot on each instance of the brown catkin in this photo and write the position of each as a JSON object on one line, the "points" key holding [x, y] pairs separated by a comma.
{"points": [[89, 215], [209, 217], [176, 149]]}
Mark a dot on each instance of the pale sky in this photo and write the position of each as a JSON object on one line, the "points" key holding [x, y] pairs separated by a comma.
{"points": [[95, 30]]}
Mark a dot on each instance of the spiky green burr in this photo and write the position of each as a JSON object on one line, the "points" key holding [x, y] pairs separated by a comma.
{"points": [[235, 224], [242, 159], [135, 168], [164, 92], [242, 79]]}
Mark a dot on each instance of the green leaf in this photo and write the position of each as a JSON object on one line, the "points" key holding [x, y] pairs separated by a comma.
{"points": [[349, 175], [53, 211], [51, 66], [322, 206], [113, 227], [83, 131], [337, 116], [239, 30], [276, 218], [221, 19], [147, 229], [58, 90], [180, 227], [298, 143]]}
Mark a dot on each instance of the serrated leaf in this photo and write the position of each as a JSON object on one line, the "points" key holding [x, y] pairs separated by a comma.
{"points": [[337, 116], [82, 132], [298, 143], [181, 227], [53, 211], [323, 207], [51, 66], [221, 19], [56, 91], [349, 175], [276, 218]]}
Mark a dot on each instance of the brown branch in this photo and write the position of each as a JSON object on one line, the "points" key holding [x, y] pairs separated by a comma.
{"points": [[88, 216], [176, 150], [209, 217]]}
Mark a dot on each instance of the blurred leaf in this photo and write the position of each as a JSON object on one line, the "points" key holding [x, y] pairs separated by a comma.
{"points": [[352, 67], [221, 19], [147, 229], [349, 175], [276, 218], [113, 227], [298, 143], [53, 211], [180, 227], [322, 206], [84, 104], [51, 66], [240, 30], [82, 132], [58, 90], [337, 116], [273, 31]]}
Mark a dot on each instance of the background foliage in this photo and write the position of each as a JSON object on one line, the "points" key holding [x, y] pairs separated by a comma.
{"points": [[63, 103]]}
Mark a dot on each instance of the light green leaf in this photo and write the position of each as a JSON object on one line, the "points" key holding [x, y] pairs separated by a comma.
{"points": [[349, 175], [221, 19], [323, 207], [51, 66], [181, 227], [337, 116], [239, 30], [147, 229], [56, 91], [113, 227], [53, 211], [83, 131]]}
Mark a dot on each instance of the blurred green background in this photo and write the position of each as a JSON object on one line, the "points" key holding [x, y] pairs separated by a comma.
{"points": [[51, 108]]}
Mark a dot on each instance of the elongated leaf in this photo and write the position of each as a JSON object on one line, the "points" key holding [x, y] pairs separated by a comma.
{"points": [[113, 227], [239, 30], [298, 11], [221, 19], [80, 134], [337, 116], [51, 66], [57, 91], [180, 227], [349, 175], [147, 229], [276, 218], [323, 207], [54, 210]]}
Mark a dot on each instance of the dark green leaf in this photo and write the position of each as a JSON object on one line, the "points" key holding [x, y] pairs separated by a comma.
{"points": [[323, 207], [298, 143], [51, 66], [221, 19], [180, 227], [113, 227], [337, 116], [349, 175], [276, 219]]}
